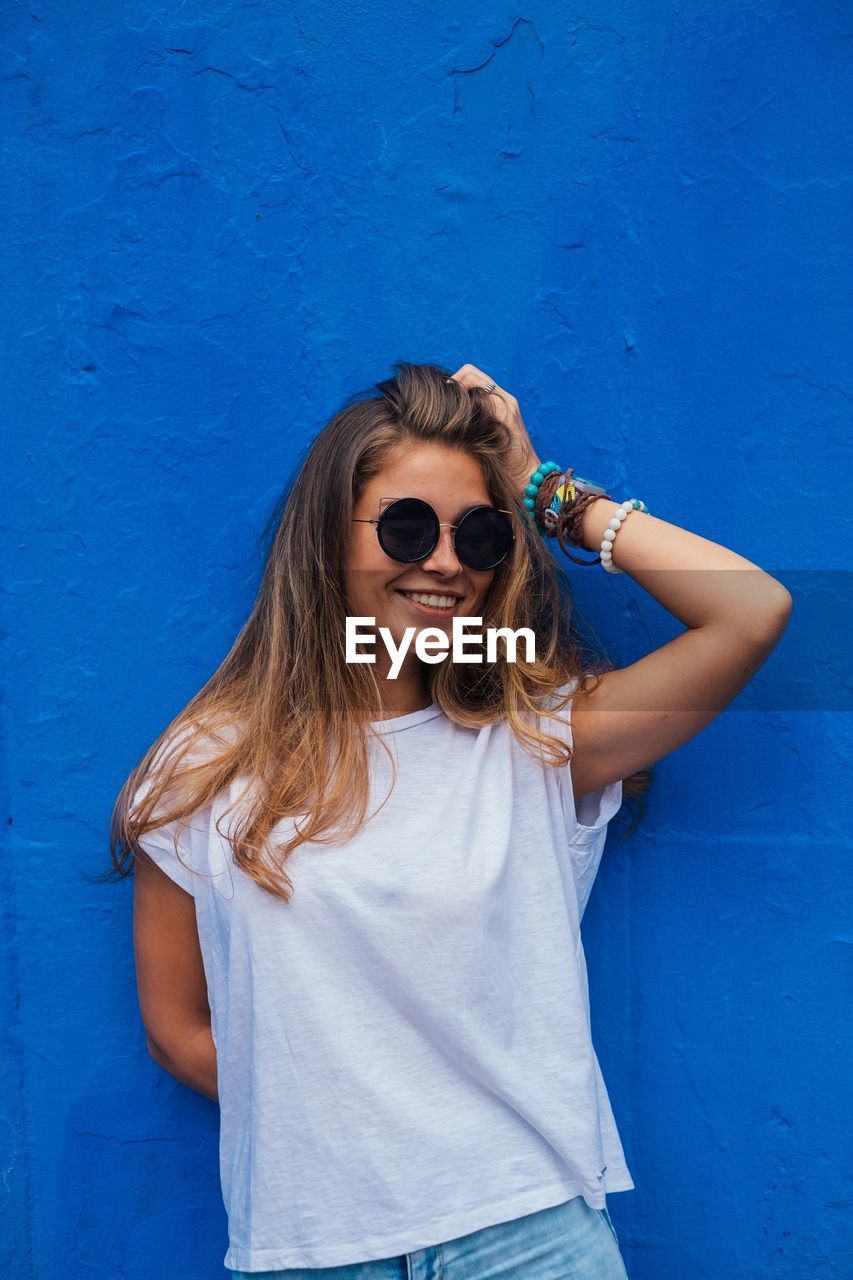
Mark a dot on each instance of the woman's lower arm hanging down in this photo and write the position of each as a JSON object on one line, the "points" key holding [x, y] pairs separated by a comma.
{"points": [[192, 1060]]}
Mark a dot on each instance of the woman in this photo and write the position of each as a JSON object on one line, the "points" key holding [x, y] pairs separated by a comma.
{"points": [[366, 943]]}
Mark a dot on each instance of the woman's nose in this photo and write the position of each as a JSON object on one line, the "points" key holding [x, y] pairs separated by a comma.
{"points": [[443, 557]]}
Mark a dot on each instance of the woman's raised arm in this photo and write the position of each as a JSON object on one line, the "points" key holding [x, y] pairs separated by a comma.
{"points": [[735, 613]]}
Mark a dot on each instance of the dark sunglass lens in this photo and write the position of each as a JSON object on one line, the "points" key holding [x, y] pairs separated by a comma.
{"points": [[408, 530], [483, 538]]}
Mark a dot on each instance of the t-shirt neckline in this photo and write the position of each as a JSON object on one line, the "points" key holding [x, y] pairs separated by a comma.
{"points": [[407, 721]]}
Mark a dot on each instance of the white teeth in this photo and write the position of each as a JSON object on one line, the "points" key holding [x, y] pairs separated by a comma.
{"points": [[434, 602]]}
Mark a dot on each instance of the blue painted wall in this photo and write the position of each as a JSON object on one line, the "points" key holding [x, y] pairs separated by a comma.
{"points": [[220, 220]]}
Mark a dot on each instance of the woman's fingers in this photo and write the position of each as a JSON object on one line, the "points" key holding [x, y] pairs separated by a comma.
{"points": [[506, 409], [470, 376]]}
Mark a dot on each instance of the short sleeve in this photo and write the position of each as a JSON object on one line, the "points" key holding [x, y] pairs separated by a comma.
{"points": [[595, 809], [586, 828], [159, 844], [192, 834]]}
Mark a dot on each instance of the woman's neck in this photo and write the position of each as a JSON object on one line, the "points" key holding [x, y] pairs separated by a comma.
{"points": [[402, 696]]}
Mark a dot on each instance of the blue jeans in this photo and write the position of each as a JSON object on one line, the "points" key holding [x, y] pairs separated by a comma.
{"points": [[569, 1240]]}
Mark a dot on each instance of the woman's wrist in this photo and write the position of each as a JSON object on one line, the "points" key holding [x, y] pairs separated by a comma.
{"points": [[595, 521]]}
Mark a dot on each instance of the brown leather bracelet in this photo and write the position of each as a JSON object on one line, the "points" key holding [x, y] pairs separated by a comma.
{"points": [[568, 526]]}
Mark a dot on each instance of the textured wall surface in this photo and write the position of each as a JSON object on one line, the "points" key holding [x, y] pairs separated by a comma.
{"points": [[221, 219]]}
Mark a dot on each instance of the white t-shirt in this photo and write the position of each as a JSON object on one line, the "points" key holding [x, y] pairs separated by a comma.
{"points": [[403, 1050]]}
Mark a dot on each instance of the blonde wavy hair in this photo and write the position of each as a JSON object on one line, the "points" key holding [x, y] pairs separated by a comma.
{"points": [[296, 727]]}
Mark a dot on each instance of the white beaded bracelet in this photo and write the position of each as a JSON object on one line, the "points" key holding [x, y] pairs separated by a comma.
{"points": [[613, 527]]}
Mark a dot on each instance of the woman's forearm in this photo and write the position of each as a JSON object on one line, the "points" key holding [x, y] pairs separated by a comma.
{"points": [[193, 1062], [698, 581]]}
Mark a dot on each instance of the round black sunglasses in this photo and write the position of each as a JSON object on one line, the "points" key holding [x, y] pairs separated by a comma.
{"points": [[409, 530]]}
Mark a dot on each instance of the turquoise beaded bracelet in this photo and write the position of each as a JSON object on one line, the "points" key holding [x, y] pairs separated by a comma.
{"points": [[531, 490]]}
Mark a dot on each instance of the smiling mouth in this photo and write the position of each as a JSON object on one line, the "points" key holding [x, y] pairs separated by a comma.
{"points": [[436, 602]]}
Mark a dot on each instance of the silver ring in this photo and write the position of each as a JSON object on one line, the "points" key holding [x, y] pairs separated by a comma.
{"points": [[490, 386]]}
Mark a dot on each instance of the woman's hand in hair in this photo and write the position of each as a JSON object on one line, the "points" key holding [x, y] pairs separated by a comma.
{"points": [[506, 409]]}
